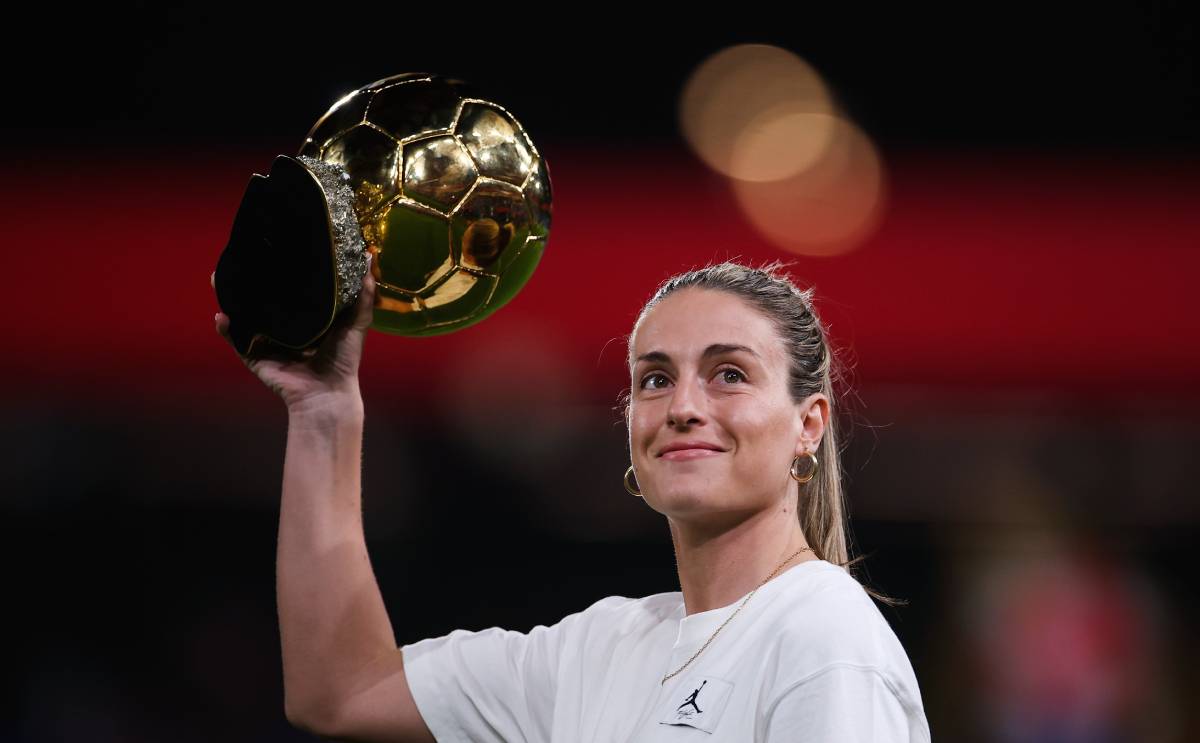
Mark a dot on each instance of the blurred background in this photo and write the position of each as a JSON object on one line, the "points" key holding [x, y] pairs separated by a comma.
{"points": [[997, 208]]}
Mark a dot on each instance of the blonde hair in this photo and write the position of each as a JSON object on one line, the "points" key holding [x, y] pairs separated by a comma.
{"points": [[821, 505]]}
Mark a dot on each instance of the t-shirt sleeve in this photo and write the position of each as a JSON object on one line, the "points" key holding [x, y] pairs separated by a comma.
{"points": [[845, 703], [490, 685]]}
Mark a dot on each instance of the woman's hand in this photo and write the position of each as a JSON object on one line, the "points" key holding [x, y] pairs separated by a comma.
{"points": [[330, 369]]}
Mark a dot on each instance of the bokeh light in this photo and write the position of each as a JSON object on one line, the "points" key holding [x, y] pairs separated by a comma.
{"points": [[782, 142], [745, 96], [826, 209], [805, 177]]}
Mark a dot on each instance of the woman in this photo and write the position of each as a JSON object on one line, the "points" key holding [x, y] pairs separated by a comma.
{"points": [[731, 437]]}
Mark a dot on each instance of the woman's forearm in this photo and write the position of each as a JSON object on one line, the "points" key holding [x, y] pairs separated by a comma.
{"points": [[332, 619]]}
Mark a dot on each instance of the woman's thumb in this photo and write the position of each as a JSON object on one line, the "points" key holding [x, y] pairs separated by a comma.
{"points": [[365, 310]]}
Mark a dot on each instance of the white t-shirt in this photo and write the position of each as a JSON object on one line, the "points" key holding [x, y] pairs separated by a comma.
{"points": [[809, 658]]}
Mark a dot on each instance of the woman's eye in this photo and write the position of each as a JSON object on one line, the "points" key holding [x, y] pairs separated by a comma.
{"points": [[650, 377], [737, 375]]}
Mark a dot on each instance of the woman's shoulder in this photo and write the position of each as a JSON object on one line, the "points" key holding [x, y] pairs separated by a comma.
{"points": [[828, 632], [827, 618], [623, 612], [824, 589]]}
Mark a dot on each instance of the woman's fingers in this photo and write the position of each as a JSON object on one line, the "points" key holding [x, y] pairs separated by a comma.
{"points": [[366, 303], [222, 322], [220, 319]]}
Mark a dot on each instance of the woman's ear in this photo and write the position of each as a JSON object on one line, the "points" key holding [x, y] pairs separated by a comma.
{"points": [[623, 402], [813, 414]]}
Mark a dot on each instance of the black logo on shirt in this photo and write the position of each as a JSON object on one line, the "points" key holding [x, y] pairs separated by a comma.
{"points": [[691, 701]]}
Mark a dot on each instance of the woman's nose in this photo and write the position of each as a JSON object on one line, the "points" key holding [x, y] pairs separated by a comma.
{"points": [[687, 404]]}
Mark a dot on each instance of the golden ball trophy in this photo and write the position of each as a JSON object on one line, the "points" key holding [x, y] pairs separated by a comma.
{"points": [[443, 188]]}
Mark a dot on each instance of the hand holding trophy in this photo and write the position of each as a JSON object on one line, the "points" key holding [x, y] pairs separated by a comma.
{"points": [[444, 191], [330, 368]]}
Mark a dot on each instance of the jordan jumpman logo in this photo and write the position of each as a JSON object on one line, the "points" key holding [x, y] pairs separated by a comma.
{"points": [[692, 699]]}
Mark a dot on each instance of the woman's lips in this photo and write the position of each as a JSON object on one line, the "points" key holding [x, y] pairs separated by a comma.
{"points": [[690, 453]]}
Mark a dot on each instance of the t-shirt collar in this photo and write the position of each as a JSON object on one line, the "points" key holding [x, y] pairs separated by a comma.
{"points": [[695, 629]]}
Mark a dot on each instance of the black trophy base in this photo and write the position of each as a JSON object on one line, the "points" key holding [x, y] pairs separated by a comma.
{"points": [[276, 278]]}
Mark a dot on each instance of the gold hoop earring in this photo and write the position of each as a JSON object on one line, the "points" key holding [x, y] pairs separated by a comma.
{"points": [[629, 487], [812, 470]]}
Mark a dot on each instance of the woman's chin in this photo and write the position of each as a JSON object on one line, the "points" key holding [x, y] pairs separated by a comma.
{"points": [[692, 504]]}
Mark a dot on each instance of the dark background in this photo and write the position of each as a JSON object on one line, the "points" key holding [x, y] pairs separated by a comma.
{"points": [[1020, 330]]}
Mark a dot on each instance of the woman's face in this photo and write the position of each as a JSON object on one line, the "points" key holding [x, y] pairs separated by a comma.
{"points": [[710, 373]]}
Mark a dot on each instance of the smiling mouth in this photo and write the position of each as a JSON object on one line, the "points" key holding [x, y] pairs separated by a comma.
{"points": [[678, 454]]}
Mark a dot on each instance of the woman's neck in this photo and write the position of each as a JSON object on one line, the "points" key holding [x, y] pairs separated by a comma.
{"points": [[719, 566]]}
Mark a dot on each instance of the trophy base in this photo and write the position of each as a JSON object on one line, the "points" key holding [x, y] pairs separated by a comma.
{"points": [[278, 277]]}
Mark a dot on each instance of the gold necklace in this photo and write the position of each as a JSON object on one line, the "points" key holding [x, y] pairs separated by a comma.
{"points": [[734, 614]]}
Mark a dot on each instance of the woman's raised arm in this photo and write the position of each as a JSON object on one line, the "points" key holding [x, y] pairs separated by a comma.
{"points": [[343, 674]]}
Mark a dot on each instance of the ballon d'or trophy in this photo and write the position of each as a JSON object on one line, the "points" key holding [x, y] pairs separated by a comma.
{"points": [[443, 188]]}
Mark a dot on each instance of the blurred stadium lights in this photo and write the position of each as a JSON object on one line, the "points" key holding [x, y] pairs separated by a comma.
{"points": [[827, 209], [806, 178], [741, 90]]}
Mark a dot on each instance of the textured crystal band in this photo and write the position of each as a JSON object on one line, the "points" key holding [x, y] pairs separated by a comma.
{"points": [[350, 250]]}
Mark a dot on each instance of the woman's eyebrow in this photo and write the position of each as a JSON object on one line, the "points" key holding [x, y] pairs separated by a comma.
{"points": [[716, 349]]}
